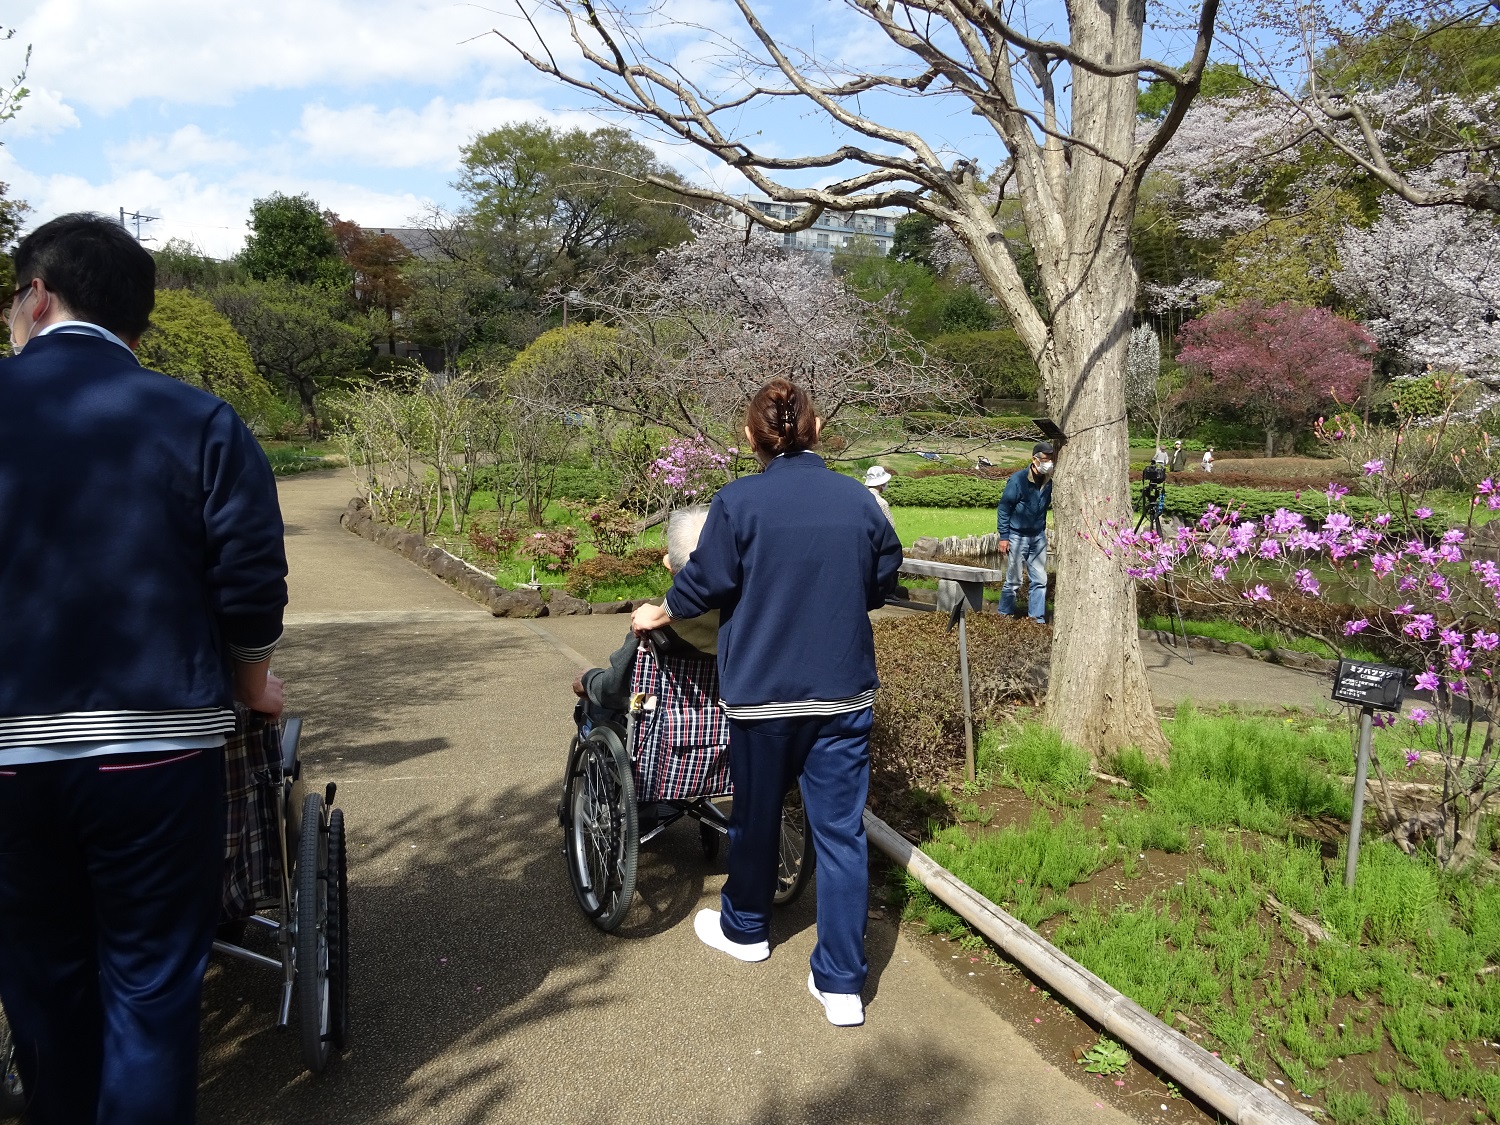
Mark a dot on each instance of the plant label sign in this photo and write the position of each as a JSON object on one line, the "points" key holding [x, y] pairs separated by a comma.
{"points": [[1369, 685]]}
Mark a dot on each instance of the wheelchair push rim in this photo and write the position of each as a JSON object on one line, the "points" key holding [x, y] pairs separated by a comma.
{"points": [[321, 939], [794, 858], [12, 1097], [601, 834]]}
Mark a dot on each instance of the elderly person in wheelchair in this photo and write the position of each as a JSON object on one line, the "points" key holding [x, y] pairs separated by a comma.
{"points": [[604, 693]]}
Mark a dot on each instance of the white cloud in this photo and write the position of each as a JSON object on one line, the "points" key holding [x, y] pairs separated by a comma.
{"points": [[429, 137], [42, 114], [210, 213], [188, 147], [106, 54]]}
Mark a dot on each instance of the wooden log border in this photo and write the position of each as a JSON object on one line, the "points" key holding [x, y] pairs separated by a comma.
{"points": [[1238, 1098]]}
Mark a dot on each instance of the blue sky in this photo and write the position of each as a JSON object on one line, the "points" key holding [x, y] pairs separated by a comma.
{"points": [[188, 110]]}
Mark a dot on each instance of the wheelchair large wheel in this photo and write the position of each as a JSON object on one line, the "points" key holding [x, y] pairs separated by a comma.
{"points": [[794, 860], [313, 899], [338, 932], [12, 1097], [602, 834]]}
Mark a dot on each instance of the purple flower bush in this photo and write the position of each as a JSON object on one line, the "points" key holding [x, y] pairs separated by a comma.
{"points": [[690, 470], [1425, 600]]}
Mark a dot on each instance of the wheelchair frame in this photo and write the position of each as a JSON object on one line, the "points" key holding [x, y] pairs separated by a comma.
{"points": [[313, 899], [601, 824]]}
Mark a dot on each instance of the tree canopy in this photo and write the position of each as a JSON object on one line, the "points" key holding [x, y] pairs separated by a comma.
{"points": [[291, 239], [190, 340]]}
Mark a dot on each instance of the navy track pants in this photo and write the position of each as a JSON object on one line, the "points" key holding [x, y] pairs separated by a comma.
{"points": [[111, 875], [830, 754]]}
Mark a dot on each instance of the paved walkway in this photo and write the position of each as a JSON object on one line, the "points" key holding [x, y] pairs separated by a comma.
{"points": [[480, 992]]}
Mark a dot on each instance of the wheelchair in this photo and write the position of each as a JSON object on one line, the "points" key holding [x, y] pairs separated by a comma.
{"points": [[286, 872], [669, 758]]}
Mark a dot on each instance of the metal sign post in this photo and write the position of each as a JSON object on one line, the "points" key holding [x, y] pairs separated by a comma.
{"points": [[1372, 687], [1361, 771]]}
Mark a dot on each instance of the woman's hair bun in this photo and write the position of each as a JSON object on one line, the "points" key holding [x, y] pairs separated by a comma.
{"points": [[781, 418]]}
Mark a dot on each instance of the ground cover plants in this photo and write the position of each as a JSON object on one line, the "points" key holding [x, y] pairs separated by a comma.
{"points": [[1210, 891]]}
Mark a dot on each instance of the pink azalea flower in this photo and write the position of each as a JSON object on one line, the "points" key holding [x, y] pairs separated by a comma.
{"points": [[1422, 513], [1356, 626], [1412, 758], [1257, 594], [1426, 681], [1418, 716], [1486, 641], [1373, 467]]}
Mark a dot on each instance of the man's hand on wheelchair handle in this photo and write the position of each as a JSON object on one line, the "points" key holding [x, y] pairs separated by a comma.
{"points": [[578, 688], [257, 689], [649, 618]]}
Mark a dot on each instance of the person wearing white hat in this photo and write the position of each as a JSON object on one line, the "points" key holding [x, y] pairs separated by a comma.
{"points": [[876, 478]]}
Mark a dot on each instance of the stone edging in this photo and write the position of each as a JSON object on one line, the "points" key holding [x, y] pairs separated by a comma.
{"points": [[469, 580], [1302, 661]]}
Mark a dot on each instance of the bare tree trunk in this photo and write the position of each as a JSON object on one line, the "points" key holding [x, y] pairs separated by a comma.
{"points": [[1097, 694]]}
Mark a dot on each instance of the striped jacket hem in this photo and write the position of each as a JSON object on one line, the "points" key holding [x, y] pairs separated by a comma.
{"points": [[100, 726], [801, 708]]}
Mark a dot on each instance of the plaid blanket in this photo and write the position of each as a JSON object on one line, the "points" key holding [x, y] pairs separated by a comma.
{"points": [[252, 787], [682, 747]]}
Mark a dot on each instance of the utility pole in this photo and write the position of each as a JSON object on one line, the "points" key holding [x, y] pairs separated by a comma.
{"points": [[138, 219]]}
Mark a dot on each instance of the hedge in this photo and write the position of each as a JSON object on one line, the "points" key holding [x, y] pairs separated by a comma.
{"points": [[997, 428], [951, 490], [1190, 502]]}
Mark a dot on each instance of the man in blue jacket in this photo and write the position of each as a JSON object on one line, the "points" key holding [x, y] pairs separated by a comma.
{"points": [[142, 583], [1021, 521]]}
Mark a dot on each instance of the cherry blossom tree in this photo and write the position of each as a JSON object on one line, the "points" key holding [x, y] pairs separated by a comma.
{"points": [[1279, 364], [701, 327], [1149, 397], [1059, 115], [1427, 281]]}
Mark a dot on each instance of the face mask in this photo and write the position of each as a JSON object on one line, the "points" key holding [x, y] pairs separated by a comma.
{"points": [[1045, 468]]}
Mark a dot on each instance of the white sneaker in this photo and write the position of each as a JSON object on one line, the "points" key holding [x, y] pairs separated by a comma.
{"points": [[710, 933], [843, 1009]]}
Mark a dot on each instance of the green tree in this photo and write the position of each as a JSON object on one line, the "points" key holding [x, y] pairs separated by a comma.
{"points": [[913, 239], [191, 340], [181, 264], [291, 239], [1291, 256], [298, 336], [992, 364], [1220, 80], [552, 204]]}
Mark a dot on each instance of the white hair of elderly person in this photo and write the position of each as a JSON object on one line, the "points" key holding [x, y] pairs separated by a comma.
{"points": [[684, 526]]}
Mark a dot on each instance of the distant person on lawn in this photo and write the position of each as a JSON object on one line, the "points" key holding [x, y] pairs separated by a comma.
{"points": [[1179, 457], [1021, 523], [1208, 459], [876, 478], [142, 585]]}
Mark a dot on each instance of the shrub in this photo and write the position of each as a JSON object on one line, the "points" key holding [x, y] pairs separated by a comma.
{"points": [[919, 716], [606, 570], [951, 490], [554, 550], [584, 483], [1189, 502], [610, 527], [497, 546]]}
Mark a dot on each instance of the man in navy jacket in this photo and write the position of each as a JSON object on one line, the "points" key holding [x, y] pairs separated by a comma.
{"points": [[1021, 523], [142, 582]]}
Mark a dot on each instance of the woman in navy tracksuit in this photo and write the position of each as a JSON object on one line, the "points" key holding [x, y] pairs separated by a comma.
{"points": [[794, 559]]}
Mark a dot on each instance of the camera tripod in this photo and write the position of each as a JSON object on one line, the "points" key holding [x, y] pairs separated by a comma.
{"points": [[1153, 503]]}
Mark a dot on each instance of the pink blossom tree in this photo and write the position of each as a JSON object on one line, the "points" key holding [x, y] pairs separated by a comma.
{"points": [[1279, 364]]}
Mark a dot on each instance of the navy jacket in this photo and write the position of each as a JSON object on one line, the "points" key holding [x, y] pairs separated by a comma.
{"points": [[794, 559], [140, 545], [1023, 505]]}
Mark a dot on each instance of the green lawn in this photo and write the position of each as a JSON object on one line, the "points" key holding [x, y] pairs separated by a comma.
{"points": [[1395, 1002], [913, 523]]}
